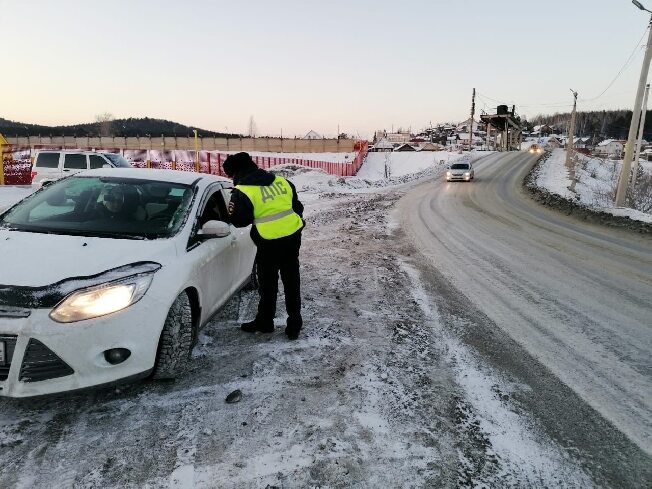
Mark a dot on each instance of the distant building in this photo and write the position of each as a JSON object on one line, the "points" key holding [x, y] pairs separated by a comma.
{"points": [[312, 135], [431, 147], [610, 147], [382, 145], [405, 147]]}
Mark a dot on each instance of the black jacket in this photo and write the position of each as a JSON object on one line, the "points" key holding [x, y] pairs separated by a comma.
{"points": [[241, 210]]}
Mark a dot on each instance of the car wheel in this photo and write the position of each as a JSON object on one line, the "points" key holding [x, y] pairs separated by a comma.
{"points": [[175, 344], [253, 279]]}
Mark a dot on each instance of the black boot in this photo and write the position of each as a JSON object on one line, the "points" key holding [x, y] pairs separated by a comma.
{"points": [[257, 325], [293, 328]]}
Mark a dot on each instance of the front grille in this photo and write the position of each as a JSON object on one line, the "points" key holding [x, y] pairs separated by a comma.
{"points": [[10, 346], [41, 363]]}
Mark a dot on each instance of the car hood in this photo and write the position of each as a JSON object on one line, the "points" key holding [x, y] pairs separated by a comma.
{"points": [[35, 260]]}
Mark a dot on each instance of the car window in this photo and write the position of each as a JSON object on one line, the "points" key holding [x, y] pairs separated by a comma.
{"points": [[75, 161], [460, 166], [214, 209], [47, 160], [118, 160], [96, 161], [105, 207]]}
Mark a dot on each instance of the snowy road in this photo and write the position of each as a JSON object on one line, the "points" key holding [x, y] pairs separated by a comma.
{"points": [[576, 297], [410, 372]]}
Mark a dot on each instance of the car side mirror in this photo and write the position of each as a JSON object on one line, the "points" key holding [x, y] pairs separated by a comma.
{"points": [[214, 229]]}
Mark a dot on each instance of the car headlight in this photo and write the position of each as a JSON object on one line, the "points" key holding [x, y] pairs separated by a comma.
{"points": [[102, 299], [467, 174], [448, 174]]}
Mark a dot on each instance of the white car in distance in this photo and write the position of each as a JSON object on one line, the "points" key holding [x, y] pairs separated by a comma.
{"points": [[51, 165], [109, 275]]}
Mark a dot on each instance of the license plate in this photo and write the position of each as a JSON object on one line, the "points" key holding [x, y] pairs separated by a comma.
{"points": [[2, 352]]}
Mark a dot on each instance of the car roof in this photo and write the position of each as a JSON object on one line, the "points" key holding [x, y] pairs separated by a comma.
{"points": [[174, 176]]}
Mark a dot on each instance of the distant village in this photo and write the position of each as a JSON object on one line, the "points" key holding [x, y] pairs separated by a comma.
{"points": [[455, 137]]}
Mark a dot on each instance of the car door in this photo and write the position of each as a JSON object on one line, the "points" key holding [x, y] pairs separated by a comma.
{"points": [[245, 246], [74, 163], [96, 161], [215, 260], [47, 166]]}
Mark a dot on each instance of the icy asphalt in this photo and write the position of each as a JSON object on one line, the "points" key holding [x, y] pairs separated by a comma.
{"points": [[416, 368]]}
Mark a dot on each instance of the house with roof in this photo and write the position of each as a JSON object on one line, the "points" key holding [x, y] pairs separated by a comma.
{"points": [[312, 135], [405, 147], [609, 148], [431, 147], [382, 145]]}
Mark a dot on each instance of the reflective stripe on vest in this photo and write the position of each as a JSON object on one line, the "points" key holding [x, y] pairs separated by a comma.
{"points": [[273, 217], [273, 214]]}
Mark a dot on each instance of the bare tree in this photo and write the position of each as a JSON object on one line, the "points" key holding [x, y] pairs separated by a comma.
{"points": [[106, 123], [252, 127]]}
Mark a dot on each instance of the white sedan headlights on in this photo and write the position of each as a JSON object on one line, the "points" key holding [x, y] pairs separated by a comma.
{"points": [[102, 300]]}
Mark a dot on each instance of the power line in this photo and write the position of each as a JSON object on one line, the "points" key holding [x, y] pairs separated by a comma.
{"points": [[629, 60], [564, 103]]}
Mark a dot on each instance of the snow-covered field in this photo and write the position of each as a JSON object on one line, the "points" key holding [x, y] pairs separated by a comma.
{"points": [[597, 179], [378, 391]]}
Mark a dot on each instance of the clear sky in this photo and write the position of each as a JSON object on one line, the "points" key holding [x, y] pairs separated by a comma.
{"points": [[301, 65]]}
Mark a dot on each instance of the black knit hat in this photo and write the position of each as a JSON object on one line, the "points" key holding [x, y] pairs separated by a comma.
{"points": [[237, 163]]}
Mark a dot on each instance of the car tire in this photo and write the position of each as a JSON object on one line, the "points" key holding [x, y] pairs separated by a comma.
{"points": [[253, 279], [176, 340]]}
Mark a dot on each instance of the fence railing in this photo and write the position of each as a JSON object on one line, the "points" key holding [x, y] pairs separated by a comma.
{"points": [[17, 161]]}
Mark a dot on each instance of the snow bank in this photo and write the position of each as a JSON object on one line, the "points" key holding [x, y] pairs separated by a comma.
{"points": [[596, 181], [401, 164]]}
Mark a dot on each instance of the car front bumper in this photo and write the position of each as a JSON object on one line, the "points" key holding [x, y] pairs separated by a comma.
{"points": [[42, 356], [458, 178]]}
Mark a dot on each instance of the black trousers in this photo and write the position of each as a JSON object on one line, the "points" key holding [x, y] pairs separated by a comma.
{"points": [[274, 257]]}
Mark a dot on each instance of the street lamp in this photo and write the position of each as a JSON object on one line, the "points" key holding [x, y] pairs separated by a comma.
{"points": [[640, 6], [621, 191]]}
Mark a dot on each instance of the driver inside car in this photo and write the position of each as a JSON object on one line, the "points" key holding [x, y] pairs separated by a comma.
{"points": [[122, 203]]}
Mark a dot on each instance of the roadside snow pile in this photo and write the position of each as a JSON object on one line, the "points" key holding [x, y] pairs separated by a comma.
{"points": [[389, 165], [401, 168], [595, 186]]}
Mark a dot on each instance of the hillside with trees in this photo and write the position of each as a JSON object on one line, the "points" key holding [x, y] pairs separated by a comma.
{"points": [[105, 125], [601, 124]]}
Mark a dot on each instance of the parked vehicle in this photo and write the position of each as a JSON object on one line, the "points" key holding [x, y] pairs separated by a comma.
{"points": [[112, 273], [461, 172], [52, 165]]}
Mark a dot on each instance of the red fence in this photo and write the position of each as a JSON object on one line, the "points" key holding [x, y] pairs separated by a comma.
{"points": [[18, 169]]}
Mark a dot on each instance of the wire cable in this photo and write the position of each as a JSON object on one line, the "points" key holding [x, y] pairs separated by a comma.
{"points": [[629, 60], [565, 103]]}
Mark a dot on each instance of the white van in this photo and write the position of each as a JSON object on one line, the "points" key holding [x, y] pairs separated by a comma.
{"points": [[52, 164]]}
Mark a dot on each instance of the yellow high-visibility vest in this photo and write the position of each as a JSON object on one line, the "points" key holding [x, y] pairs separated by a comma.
{"points": [[273, 214]]}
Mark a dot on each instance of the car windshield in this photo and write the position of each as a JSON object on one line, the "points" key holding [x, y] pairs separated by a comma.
{"points": [[118, 160], [103, 206], [460, 166]]}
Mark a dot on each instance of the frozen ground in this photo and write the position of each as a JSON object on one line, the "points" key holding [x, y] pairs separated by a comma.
{"points": [[381, 390]]}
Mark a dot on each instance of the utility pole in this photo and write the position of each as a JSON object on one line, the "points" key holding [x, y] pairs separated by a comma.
{"points": [[632, 180], [621, 191], [569, 144], [472, 116]]}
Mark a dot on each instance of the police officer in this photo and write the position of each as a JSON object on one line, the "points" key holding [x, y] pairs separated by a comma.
{"points": [[270, 203]]}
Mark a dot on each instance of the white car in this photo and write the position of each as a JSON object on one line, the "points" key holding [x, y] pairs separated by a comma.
{"points": [[460, 171], [109, 274], [51, 165]]}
